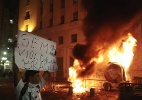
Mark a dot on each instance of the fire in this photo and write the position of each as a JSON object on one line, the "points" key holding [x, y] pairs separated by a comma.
{"points": [[98, 60], [77, 83], [120, 54], [123, 57]]}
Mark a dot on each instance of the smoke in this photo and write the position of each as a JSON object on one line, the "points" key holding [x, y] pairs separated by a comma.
{"points": [[105, 23]]}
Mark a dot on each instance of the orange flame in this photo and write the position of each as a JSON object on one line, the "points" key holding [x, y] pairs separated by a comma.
{"points": [[121, 55], [125, 56], [76, 82]]}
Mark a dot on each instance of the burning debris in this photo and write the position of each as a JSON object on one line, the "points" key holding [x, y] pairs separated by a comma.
{"points": [[106, 28]]}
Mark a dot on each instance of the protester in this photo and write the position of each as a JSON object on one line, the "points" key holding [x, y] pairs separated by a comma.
{"points": [[29, 87]]}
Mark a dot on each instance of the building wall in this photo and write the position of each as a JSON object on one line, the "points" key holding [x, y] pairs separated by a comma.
{"points": [[136, 66], [33, 21]]}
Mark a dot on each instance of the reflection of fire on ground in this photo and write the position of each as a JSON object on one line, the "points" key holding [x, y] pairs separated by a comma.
{"points": [[120, 56]]}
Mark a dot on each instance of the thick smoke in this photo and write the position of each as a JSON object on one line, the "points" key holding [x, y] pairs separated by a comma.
{"points": [[105, 23]]}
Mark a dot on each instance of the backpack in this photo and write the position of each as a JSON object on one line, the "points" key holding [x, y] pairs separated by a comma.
{"points": [[23, 91]]}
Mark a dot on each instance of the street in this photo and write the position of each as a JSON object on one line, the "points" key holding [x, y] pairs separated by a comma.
{"points": [[7, 93], [80, 96], [7, 89]]}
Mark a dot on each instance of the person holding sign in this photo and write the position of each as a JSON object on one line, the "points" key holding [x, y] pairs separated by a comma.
{"points": [[29, 88], [34, 54]]}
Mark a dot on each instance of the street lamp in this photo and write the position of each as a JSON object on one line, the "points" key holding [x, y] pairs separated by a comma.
{"points": [[4, 58], [4, 53]]}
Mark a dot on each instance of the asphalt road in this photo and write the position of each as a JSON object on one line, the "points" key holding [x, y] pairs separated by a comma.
{"points": [[7, 93]]}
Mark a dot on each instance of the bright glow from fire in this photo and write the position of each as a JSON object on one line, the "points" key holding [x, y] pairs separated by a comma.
{"points": [[77, 83], [125, 56], [98, 60], [120, 54]]}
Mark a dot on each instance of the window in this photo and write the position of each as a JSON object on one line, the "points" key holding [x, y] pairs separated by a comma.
{"points": [[62, 19], [60, 62], [27, 15], [51, 7], [60, 72], [28, 2], [75, 1], [61, 40], [73, 38], [75, 16], [62, 3]]}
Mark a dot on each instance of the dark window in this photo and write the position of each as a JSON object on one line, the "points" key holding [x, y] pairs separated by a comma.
{"points": [[60, 62], [51, 22], [60, 72], [74, 38], [62, 19], [28, 2], [75, 16], [61, 40], [27, 15], [62, 3], [51, 7], [75, 1]]}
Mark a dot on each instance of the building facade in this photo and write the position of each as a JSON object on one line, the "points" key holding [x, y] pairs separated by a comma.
{"points": [[56, 20]]}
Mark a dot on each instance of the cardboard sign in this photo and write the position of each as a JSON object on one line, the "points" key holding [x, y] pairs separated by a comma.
{"points": [[35, 53]]}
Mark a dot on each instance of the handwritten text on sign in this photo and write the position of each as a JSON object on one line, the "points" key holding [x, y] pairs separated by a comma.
{"points": [[35, 53]]}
